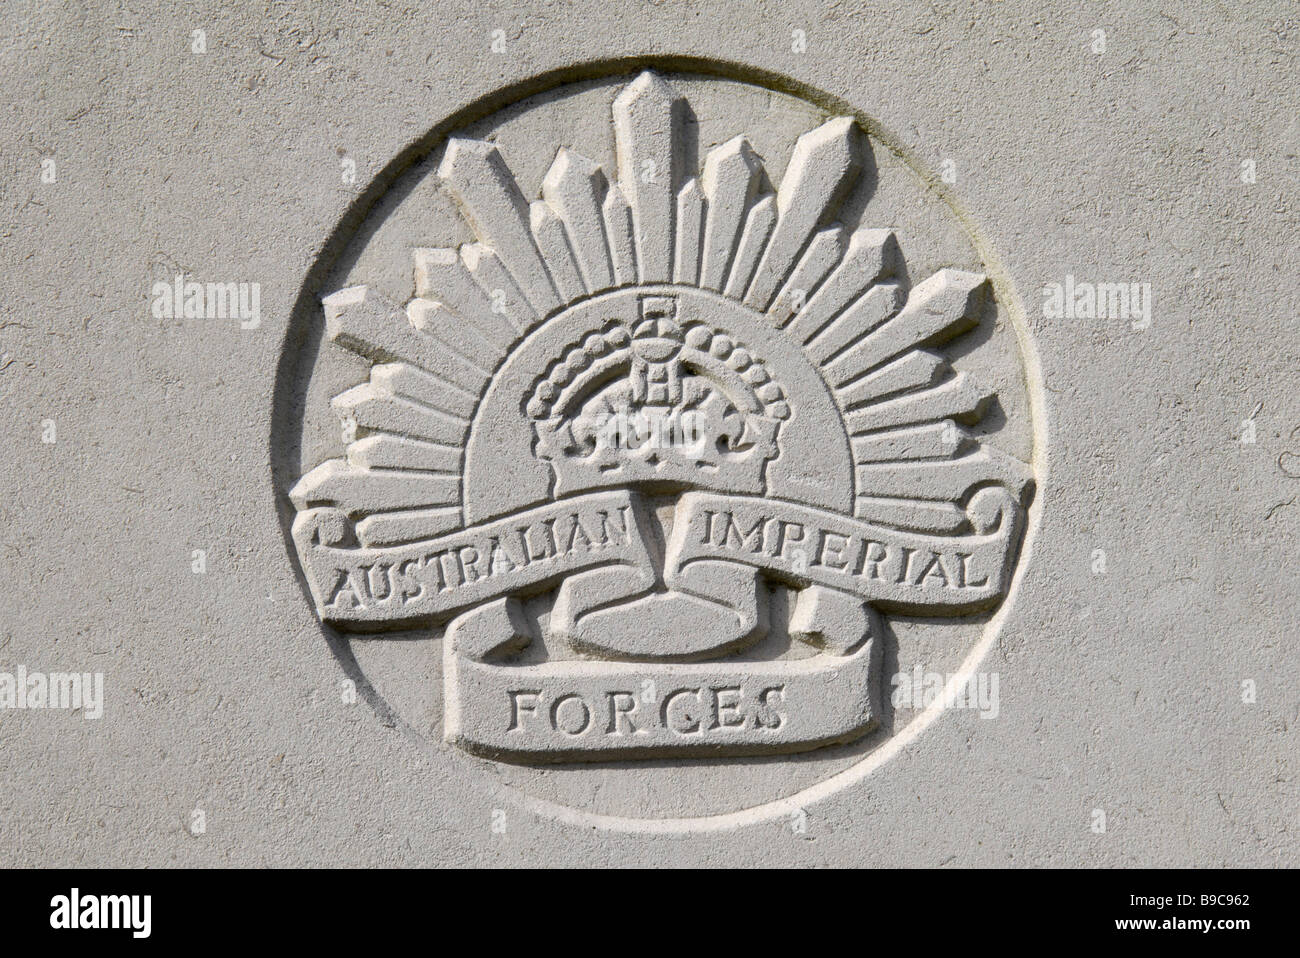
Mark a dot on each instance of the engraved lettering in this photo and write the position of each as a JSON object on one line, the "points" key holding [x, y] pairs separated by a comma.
{"points": [[369, 573], [830, 550], [521, 701], [903, 572], [575, 720], [786, 533], [523, 547], [434, 562], [621, 707], [680, 720], [412, 588], [970, 583], [546, 534], [751, 541], [933, 569], [767, 715], [708, 526], [611, 535], [577, 534], [500, 561], [343, 590], [466, 557], [726, 707], [871, 562]]}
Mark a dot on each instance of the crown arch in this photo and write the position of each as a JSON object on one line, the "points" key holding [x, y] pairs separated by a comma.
{"points": [[813, 461]]}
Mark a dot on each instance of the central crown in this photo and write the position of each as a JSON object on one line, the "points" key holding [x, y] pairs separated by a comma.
{"points": [[654, 403]]}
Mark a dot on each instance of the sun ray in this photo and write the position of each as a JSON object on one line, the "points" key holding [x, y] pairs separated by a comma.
{"points": [[496, 282], [553, 241], [403, 379], [336, 483], [372, 408], [438, 321], [691, 210], [441, 276], [844, 333], [932, 440], [411, 525], [620, 236], [648, 117], [939, 479], [960, 397], [917, 369], [575, 188], [382, 451], [823, 166], [732, 173], [940, 518], [822, 255], [758, 227], [477, 176], [939, 308], [366, 323], [869, 258]]}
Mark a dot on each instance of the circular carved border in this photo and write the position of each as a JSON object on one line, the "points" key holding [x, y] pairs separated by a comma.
{"points": [[304, 329]]}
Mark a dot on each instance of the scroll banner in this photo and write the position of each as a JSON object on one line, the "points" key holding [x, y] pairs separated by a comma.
{"points": [[584, 709], [538, 548]]}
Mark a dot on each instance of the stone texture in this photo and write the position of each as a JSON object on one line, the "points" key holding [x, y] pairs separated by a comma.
{"points": [[1158, 578]]}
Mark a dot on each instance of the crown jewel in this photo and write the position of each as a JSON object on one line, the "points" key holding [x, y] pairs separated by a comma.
{"points": [[651, 402]]}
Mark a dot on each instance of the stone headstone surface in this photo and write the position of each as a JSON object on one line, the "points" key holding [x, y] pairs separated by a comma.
{"points": [[651, 434]]}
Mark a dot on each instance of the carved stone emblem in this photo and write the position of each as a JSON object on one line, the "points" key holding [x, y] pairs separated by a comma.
{"points": [[644, 399]]}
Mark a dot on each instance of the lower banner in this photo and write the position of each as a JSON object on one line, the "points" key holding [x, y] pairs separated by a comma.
{"points": [[573, 709], [641, 651]]}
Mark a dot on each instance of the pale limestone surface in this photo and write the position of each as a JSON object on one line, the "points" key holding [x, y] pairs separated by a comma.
{"points": [[1144, 660]]}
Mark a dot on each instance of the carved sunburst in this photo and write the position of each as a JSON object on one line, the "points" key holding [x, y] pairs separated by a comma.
{"points": [[835, 289]]}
